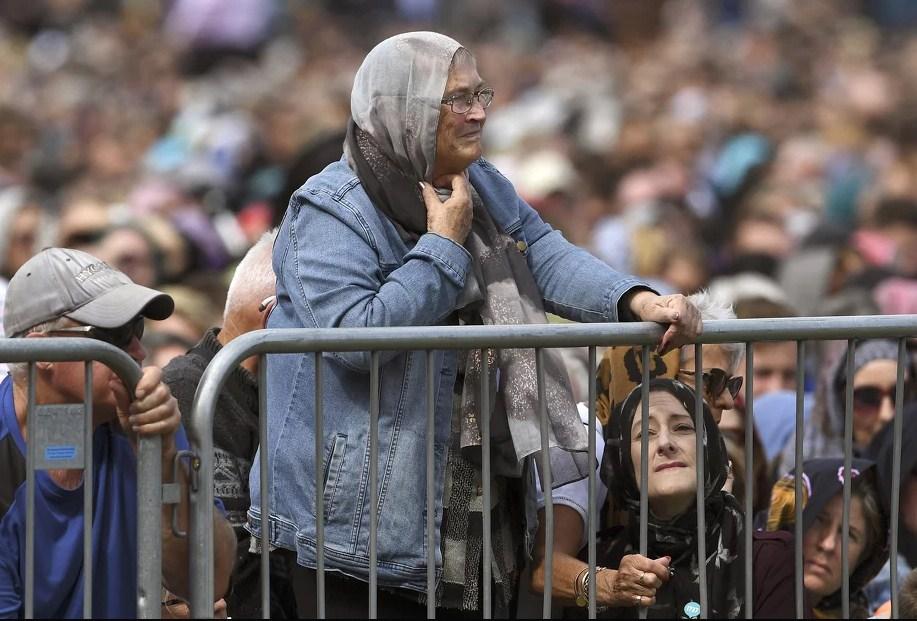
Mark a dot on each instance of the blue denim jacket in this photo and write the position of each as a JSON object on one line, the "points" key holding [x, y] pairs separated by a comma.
{"points": [[340, 263]]}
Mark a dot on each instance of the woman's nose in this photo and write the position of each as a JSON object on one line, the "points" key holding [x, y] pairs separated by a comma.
{"points": [[887, 409], [477, 112], [664, 444], [828, 542]]}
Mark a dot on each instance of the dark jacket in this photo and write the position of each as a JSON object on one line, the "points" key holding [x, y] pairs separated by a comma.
{"points": [[235, 440]]}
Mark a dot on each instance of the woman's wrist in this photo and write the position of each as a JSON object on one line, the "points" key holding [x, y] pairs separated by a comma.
{"points": [[605, 587]]}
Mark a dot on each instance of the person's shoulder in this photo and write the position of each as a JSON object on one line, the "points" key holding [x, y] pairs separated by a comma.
{"points": [[335, 180], [772, 549], [779, 538], [483, 168]]}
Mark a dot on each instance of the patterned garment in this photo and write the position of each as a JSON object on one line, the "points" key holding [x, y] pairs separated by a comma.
{"points": [[621, 369], [462, 530]]}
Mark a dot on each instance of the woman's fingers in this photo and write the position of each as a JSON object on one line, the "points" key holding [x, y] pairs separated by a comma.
{"points": [[639, 577]]}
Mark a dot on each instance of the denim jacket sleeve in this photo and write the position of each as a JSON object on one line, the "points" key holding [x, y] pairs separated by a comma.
{"points": [[573, 283], [340, 280]]}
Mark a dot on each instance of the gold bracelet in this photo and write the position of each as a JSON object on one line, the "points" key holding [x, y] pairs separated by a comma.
{"points": [[579, 590], [581, 586]]}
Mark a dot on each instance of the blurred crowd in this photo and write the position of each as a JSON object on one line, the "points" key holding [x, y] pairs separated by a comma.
{"points": [[764, 149]]}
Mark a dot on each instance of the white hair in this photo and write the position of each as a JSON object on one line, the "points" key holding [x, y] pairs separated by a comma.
{"points": [[713, 307], [253, 279]]}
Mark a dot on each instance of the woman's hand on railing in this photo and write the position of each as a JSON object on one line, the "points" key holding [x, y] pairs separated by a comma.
{"points": [[675, 311]]}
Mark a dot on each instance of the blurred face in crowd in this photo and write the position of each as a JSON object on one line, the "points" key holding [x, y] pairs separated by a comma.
{"points": [[127, 250], [716, 360], [821, 546], [672, 455], [22, 235], [774, 367], [458, 136], [873, 398]]}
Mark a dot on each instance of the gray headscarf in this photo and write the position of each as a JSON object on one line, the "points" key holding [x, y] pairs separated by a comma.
{"points": [[391, 145], [396, 98]]}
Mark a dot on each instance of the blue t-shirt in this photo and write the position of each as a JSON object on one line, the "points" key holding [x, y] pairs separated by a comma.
{"points": [[59, 527]]}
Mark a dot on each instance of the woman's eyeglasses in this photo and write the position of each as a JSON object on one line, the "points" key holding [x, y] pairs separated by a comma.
{"points": [[462, 102], [121, 337], [868, 399], [717, 380]]}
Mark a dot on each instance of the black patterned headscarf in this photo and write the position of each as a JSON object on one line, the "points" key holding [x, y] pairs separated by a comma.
{"points": [[677, 538]]}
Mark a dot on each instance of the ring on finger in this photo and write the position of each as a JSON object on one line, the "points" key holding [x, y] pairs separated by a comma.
{"points": [[639, 599]]}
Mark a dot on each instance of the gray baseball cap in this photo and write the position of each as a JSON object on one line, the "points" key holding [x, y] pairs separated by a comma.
{"points": [[60, 282]]}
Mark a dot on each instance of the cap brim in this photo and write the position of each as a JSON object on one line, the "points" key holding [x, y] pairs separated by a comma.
{"points": [[118, 306]]}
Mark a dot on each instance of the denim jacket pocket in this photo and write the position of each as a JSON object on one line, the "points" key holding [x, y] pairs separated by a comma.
{"points": [[332, 476]]}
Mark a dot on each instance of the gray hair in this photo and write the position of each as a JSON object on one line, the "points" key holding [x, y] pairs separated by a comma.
{"points": [[19, 370], [254, 276], [714, 307]]}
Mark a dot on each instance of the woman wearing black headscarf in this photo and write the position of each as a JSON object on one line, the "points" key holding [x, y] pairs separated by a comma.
{"points": [[672, 525]]}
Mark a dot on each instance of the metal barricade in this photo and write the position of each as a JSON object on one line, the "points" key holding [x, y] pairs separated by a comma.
{"points": [[60, 437], [430, 339]]}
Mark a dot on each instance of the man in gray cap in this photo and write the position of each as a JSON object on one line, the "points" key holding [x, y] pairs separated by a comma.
{"points": [[61, 293]]}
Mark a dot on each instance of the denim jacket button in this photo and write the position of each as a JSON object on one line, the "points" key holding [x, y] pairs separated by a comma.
{"points": [[522, 246]]}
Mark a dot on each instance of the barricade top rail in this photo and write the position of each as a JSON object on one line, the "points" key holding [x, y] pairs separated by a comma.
{"points": [[302, 340], [63, 349]]}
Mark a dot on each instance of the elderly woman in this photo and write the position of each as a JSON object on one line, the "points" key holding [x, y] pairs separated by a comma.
{"points": [[823, 484], [413, 228], [665, 581]]}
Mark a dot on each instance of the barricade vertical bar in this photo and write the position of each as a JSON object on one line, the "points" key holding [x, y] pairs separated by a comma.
{"points": [[149, 528], [896, 474], [644, 458], [88, 484], [848, 458], [373, 479], [485, 482], [547, 486], [749, 475], [30, 499], [797, 490], [590, 518], [699, 434], [319, 492], [265, 485], [431, 499]]}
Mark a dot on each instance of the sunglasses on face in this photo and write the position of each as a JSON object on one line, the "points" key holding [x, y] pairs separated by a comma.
{"points": [[869, 398], [121, 337], [717, 380]]}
